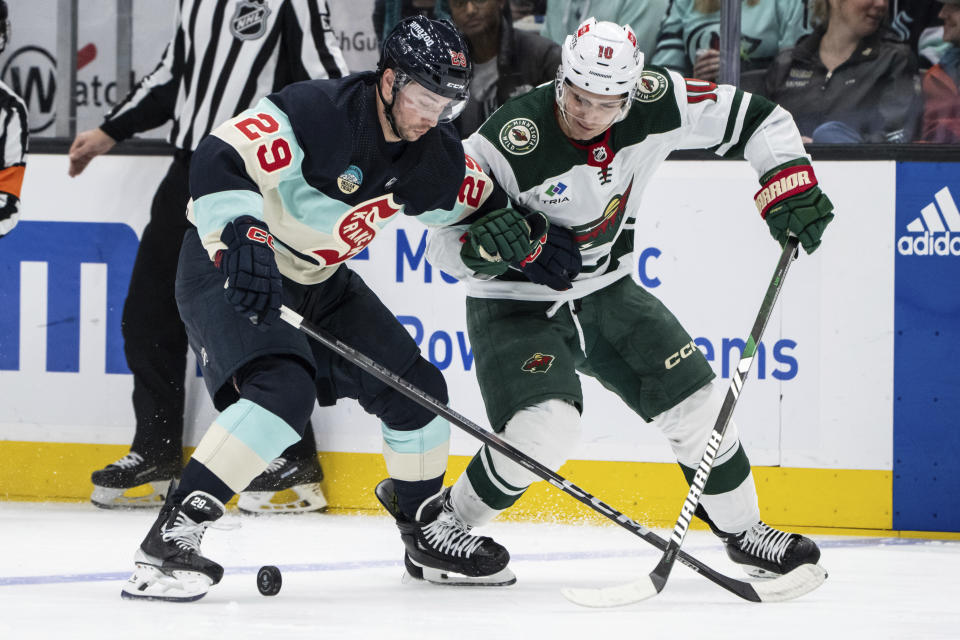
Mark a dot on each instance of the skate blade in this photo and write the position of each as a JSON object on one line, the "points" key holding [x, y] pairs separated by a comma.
{"points": [[144, 496], [503, 578], [299, 499], [151, 583]]}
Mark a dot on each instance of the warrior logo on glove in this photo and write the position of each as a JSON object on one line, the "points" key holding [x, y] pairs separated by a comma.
{"points": [[792, 203]]}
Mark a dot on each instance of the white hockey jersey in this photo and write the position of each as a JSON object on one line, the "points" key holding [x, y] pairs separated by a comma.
{"points": [[596, 189]]}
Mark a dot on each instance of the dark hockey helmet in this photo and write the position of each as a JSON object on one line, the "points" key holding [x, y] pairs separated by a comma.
{"points": [[433, 54], [4, 26]]}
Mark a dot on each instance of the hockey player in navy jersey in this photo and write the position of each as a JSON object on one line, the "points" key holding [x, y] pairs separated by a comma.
{"points": [[570, 307], [282, 195]]}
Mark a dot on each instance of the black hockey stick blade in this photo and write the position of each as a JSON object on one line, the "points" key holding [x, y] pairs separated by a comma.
{"points": [[739, 588]]}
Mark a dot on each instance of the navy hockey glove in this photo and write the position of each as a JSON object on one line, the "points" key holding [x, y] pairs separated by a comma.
{"points": [[253, 284], [499, 238], [555, 262], [792, 203]]}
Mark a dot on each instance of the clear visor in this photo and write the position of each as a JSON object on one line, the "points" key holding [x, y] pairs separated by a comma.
{"points": [[597, 109], [418, 101]]}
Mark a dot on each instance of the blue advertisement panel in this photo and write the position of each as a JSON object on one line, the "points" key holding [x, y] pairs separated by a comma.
{"points": [[927, 348]]}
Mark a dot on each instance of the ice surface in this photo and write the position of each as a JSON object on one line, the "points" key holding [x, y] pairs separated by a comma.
{"points": [[62, 565]]}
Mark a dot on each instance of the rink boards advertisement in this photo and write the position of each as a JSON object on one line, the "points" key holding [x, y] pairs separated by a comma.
{"points": [[852, 393], [817, 413]]}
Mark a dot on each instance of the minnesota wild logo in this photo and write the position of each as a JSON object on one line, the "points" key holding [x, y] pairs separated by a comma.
{"points": [[538, 363], [519, 136], [651, 87]]}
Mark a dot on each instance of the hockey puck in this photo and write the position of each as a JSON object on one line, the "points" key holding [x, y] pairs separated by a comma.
{"points": [[269, 580]]}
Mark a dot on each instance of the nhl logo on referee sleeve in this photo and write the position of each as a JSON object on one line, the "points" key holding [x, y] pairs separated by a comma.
{"points": [[538, 363], [519, 136], [249, 20]]}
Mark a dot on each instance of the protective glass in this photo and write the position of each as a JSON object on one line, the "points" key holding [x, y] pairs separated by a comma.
{"points": [[460, 4]]}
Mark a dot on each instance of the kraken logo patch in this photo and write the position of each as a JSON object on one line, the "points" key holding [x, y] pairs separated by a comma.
{"points": [[519, 136], [349, 181], [651, 87], [249, 20], [538, 363]]}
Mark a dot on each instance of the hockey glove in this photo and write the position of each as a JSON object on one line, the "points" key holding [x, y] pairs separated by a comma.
{"points": [[555, 262], [253, 284], [792, 203], [499, 238]]}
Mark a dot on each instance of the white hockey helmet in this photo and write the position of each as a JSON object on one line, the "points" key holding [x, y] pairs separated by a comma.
{"points": [[602, 57]]}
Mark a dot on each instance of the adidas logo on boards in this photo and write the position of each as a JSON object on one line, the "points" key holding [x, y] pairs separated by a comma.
{"points": [[933, 233]]}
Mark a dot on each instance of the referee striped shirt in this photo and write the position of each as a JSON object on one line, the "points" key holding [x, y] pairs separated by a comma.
{"points": [[13, 156], [224, 57]]}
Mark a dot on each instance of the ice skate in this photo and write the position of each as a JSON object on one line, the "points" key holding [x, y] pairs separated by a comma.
{"points": [[440, 548], [168, 563], [286, 486], [133, 481], [765, 552]]}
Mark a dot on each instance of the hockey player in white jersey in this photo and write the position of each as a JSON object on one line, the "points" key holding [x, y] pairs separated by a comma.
{"points": [[540, 313]]}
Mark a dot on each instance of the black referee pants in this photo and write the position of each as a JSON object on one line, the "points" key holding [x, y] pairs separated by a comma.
{"points": [[155, 341]]}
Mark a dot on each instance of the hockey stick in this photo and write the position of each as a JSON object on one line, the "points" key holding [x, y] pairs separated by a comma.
{"points": [[769, 592], [802, 579]]}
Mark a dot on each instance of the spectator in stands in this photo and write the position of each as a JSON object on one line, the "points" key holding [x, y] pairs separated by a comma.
{"points": [[520, 9], [851, 80], [941, 110], [644, 17], [689, 38], [506, 62], [387, 13]]}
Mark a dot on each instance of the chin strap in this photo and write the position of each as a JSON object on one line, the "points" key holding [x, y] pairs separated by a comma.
{"points": [[388, 108]]}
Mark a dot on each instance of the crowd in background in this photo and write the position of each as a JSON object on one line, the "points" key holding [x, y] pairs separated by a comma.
{"points": [[850, 71]]}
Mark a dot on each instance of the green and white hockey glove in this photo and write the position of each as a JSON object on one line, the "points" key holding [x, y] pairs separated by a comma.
{"points": [[792, 203], [499, 238]]}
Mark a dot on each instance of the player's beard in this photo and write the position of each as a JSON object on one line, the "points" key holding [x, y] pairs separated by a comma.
{"points": [[410, 133]]}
